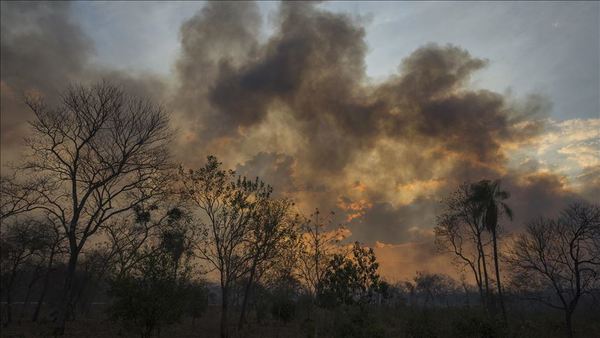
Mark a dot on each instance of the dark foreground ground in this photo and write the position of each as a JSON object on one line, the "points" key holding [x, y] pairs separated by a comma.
{"points": [[347, 322]]}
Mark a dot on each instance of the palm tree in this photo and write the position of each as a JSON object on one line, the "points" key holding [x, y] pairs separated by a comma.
{"points": [[489, 197]]}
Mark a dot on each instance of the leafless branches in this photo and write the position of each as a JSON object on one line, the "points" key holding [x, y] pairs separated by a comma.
{"points": [[99, 153], [559, 255]]}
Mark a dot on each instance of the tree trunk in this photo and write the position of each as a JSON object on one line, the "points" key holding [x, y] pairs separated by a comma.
{"points": [[502, 307], [479, 279], [9, 290], [485, 274], [36, 314], [34, 279], [66, 296], [76, 299], [224, 309], [246, 296], [568, 324]]}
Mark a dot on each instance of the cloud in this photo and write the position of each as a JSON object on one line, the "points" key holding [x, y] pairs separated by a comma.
{"points": [[313, 70], [299, 109], [43, 50], [275, 169], [219, 38]]}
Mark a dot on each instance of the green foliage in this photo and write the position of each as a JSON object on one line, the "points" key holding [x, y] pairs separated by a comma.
{"points": [[150, 296], [352, 279]]}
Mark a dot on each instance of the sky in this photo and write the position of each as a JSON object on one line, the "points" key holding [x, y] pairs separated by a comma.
{"points": [[375, 110]]}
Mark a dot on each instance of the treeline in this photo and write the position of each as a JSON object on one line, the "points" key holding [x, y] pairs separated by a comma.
{"points": [[98, 213]]}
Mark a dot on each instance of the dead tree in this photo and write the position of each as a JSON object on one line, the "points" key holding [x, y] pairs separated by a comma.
{"points": [[556, 261]]}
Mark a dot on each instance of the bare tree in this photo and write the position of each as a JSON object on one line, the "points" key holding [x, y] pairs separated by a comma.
{"points": [[18, 197], [100, 152], [227, 206], [460, 232], [559, 257], [318, 244], [317, 247]]}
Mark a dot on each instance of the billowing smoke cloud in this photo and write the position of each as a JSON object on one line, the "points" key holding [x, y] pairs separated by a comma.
{"points": [[380, 154], [278, 168], [42, 49], [221, 37], [313, 69]]}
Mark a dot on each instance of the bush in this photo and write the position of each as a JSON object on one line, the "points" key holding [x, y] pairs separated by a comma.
{"points": [[197, 300], [476, 326], [283, 309], [419, 325], [356, 322], [149, 296]]}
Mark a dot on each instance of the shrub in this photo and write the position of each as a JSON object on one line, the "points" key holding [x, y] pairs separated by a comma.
{"points": [[476, 326], [149, 296], [356, 322], [283, 309]]}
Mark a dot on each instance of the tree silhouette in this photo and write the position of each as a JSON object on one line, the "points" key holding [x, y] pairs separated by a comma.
{"points": [[54, 250], [227, 206], [151, 294], [20, 242], [351, 279], [99, 153], [489, 198], [559, 255], [272, 227], [460, 232]]}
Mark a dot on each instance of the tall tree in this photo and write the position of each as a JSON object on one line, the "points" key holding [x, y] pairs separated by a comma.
{"points": [[100, 152], [489, 198], [272, 228], [317, 245], [560, 255], [227, 206], [460, 232]]}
